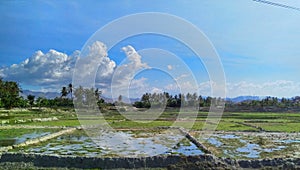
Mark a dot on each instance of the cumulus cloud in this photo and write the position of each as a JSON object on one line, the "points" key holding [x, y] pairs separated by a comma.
{"points": [[129, 66], [123, 80], [134, 58], [94, 65], [50, 69]]}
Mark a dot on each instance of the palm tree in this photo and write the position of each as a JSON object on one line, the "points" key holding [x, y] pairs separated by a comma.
{"points": [[71, 89], [31, 100], [64, 92], [98, 94]]}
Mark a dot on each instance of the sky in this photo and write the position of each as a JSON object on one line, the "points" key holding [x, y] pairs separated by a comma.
{"points": [[258, 46]]}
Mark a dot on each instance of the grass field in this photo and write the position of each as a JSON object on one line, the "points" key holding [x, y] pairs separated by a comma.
{"points": [[237, 134], [277, 122]]}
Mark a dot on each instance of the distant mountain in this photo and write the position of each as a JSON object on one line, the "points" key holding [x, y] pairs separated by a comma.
{"points": [[244, 98], [124, 99], [48, 95]]}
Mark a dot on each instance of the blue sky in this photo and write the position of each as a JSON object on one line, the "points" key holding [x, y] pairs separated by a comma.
{"points": [[258, 44]]}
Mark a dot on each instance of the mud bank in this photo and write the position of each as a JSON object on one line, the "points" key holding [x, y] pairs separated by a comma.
{"points": [[143, 162], [194, 141]]}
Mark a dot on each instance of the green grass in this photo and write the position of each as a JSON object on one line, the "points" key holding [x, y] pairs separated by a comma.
{"points": [[279, 122], [67, 123], [12, 133], [231, 126], [279, 127], [15, 133], [260, 115], [132, 124]]}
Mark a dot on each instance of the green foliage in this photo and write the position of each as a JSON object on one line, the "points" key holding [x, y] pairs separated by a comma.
{"points": [[165, 99], [31, 99], [84, 97], [70, 89], [9, 94], [68, 123], [64, 92], [16, 133], [268, 104]]}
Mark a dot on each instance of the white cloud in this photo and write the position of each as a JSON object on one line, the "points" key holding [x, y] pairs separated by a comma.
{"points": [[205, 88], [172, 87], [50, 69], [93, 66], [181, 87], [169, 67], [134, 58], [126, 71], [182, 77], [279, 88], [156, 90], [123, 81]]}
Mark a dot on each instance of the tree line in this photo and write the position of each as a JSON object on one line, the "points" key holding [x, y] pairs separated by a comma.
{"points": [[181, 100], [91, 97], [178, 100], [10, 97]]}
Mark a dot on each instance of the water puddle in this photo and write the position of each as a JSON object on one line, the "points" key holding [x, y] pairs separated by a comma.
{"points": [[229, 136], [187, 150], [253, 145], [274, 149], [124, 144], [215, 142], [35, 134], [185, 147], [288, 141], [249, 150]]}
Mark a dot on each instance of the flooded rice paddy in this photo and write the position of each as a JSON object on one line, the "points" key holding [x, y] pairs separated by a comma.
{"points": [[125, 144], [250, 145], [237, 145]]}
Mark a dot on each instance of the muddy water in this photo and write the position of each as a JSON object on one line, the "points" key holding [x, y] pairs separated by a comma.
{"points": [[254, 145], [135, 144], [125, 144]]}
